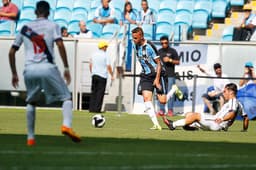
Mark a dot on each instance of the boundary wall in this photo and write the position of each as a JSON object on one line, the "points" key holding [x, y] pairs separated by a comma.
{"points": [[232, 56]]}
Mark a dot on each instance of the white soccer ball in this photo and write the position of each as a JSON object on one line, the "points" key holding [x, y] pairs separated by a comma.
{"points": [[98, 120]]}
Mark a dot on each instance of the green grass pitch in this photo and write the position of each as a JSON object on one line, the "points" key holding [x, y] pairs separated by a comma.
{"points": [[125, 142]]}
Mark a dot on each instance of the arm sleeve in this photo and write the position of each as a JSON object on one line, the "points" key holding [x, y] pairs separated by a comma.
{"points": [[18, 41]]}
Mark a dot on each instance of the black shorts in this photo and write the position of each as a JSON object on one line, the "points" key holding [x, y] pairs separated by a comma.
{"points": [[146, 83]]}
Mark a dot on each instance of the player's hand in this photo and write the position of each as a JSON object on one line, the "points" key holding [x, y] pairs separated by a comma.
{"points": [[218, 120], [67, 76], [15, 81]]}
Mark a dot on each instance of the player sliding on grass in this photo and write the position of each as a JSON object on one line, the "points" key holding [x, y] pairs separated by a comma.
{"points": [[41, 72], [220, 121]]}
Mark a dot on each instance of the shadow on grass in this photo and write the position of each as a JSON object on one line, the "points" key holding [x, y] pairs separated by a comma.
{"points": [[56, 152]]}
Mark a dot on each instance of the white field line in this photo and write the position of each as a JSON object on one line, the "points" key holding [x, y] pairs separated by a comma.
{"points": [[14, 152]]}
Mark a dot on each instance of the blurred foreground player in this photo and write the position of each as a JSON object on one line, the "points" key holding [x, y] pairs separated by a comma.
{"points": [[41, 72]]}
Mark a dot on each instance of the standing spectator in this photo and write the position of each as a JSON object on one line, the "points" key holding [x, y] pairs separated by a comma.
{"points": [[218, 86], [104, 14], [129, 15], [9, 11], [150, 77], [41, 72], [99, 68], [146, 15], [170, 58], [64, 32], [84, 32], [247, 27], [221, 121], [249, 74]]}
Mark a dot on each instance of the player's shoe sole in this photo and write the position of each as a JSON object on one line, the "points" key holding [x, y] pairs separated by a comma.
{"points": [[178, 92], [71, 134], [31, 142]]}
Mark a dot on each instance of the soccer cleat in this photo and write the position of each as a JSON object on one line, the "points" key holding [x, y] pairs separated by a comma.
{"points": [[168, 123], [178, 92], [156, 127], [31, 142], [70, 133]]}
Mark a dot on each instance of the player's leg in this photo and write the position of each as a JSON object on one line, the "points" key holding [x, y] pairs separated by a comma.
{"points": [[31, 116], [147, 96], [57, 90], [190, 118], [32, 83]]}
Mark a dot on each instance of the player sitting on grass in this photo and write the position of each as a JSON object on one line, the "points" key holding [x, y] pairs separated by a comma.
{"points": [[41, 72], [220, 121]]}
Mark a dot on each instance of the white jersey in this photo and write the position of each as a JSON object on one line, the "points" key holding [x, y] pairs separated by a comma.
{"points": [[37, 48], [208, 121]]}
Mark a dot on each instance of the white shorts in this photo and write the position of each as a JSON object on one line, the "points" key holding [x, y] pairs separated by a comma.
{"points": [[46, 78], [208, 122]]}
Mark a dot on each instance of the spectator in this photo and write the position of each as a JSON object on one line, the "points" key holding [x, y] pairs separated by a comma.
{"points": [[247, 27], [221, 121], [128, 16], [150, 77], [64, 32], [214, 93], [249, 74], [170, 58], [146, 16], [99, 68], [84, 32], [9, 11], [104, 14], [41, 72]]}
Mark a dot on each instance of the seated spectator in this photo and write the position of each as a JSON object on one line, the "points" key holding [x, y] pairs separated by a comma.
{"points": [[9, 11], [146, 16], [64, 32], [247, 27], [214, 93], [128, 16], [104, 14], [248, 73], [84, 32]]}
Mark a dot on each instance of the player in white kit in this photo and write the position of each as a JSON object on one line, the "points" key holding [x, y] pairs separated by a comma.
{"points": [[221, 120], [41, 73]]}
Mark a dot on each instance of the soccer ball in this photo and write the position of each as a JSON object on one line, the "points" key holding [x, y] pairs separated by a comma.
{"points": [[98, 120]]}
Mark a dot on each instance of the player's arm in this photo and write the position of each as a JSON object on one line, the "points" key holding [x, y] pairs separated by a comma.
{"points": [[158, 72], [64, 59], [229, 116], [12, 62]]}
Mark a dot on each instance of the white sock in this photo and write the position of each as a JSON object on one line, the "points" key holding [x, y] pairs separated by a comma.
{"points": [[31, 115], [67, 113], [151, 112], [170, 93], [180, 122]]}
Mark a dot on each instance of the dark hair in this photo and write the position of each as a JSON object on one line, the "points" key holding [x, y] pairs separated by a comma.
{"points": [[125, 5], [138, 29], [43, 8], [62, 29], [232, 87], [164, 37], [216, 65]]}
